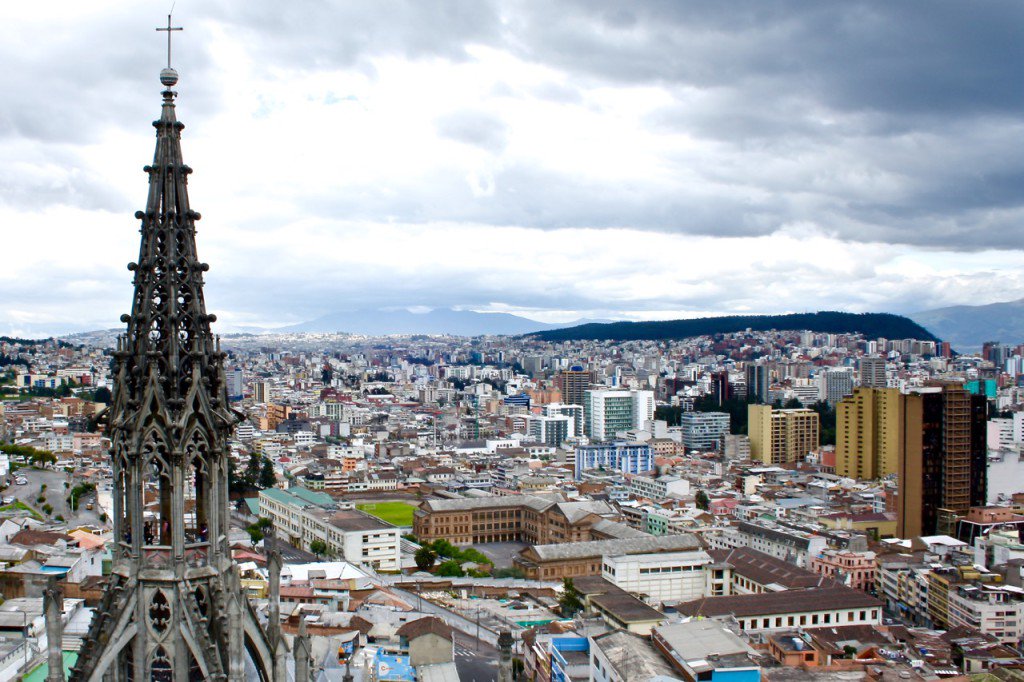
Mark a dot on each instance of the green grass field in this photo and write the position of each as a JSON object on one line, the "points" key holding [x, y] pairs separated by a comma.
{"points": [[397, 513]]}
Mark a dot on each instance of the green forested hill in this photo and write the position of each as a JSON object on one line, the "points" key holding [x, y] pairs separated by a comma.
{"points": [[871, 325]]}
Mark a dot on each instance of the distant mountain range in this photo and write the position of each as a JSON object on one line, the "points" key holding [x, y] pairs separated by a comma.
{"points": [[871, 325], [438, 321], [967, 327]]}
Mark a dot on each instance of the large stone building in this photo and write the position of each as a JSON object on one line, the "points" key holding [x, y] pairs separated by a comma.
{"points": [[517, 518], [574, 559]]}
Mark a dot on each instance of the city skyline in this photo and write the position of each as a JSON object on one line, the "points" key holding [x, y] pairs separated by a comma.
{"points": [[556, 163]]}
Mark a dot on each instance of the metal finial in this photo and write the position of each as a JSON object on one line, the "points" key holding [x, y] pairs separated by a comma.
{"points": [[169, 76]]}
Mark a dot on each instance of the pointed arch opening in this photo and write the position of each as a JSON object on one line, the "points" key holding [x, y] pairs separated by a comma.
{"points": [[157, 518], [161, 669], [198, 494]]}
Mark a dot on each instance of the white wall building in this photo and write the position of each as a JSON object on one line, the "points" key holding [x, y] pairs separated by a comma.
{"points": [[660, 578], [659, 488]]}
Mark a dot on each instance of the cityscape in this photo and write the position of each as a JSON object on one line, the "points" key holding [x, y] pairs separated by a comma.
{"points": [[614, 467]]}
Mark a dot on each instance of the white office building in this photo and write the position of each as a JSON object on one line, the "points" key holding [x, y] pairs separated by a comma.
{"points": [[704, 431], [608, 412]]}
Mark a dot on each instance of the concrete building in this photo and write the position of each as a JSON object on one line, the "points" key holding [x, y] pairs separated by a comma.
{"points": [[872, 372], [737, 447], [659, 488], [619, 457], [868, 433], [574, 412], [608, 412], [658, 578], [552, 431], [834, 385], [707, 651], [625, 657], [703, 430], [349, 534], [781, 542], [996, 610], [781, 436], [999, 435]]}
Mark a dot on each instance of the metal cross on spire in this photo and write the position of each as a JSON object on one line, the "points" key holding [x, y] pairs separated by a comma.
{"points": [[169, 29]]}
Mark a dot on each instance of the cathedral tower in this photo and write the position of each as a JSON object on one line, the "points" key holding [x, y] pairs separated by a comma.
{"points": [[174, 608]]}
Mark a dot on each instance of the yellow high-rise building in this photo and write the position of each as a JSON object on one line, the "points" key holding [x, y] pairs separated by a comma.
{"points": [[868, 433], [781, 436]]}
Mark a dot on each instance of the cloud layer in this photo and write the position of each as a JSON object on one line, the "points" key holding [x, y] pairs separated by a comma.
{"points": [[646, 159]]}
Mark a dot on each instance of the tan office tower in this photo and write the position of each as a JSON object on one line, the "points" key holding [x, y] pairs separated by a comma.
{"points": [[781, 436], [867, 433], [942, 464]]}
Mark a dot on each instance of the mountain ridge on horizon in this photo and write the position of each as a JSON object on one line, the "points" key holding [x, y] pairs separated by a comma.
{"points": [[436, 321], [967, 327]]}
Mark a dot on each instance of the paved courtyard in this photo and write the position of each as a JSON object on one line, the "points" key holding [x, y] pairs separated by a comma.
{"points": [[501, 553]]}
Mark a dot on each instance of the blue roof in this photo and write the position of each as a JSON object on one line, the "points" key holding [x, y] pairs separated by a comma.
{"points": [[391, 667]]}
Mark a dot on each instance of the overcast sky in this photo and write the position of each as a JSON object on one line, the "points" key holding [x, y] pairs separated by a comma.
{"points": [[553, 159]]}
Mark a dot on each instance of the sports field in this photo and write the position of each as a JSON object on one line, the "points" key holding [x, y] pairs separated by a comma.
{"points": [[397, 513]]}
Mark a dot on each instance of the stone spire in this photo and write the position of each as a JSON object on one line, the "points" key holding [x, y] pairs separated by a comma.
{"points": [[174, 608], [53, 610]]}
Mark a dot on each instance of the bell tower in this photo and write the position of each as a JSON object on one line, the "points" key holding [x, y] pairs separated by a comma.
{"points": [[174, 608]]}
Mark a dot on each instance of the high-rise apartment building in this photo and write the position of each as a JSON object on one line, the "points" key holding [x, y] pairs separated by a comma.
{"points": [[235, 383], [261, 391], [868, 433], [574, 382], [781, 436], [872, 372], [757, 383], [834, 385], [607, 412], [942, 461]]}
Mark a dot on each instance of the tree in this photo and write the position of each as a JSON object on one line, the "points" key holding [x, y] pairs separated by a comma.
{"points": [[512, 572], [702, 500], [255, 535], [450, 569], [252, 470], [570, 603], [318, 547], [267, 476], [425, 558], [102, 395]]}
